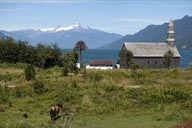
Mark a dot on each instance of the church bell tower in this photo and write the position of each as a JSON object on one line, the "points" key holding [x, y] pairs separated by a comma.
{"points": [[170, 34]]}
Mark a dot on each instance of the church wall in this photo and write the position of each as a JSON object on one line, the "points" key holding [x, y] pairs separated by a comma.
{"points": [[155, 62], [149, 62], [123, 59]]}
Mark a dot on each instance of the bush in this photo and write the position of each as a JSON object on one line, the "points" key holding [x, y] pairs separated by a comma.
{"points": [[74, 84], [23, 124], [30, 72], [38, 87], [165, 95], [111, 88], [9, 65], [69, 61], [179, 94], [65, 71], [96, 77], [18, 92], [4, 95]]}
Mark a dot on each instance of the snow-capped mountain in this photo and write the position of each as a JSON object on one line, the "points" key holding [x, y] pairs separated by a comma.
{"points": [[76, 26], [65, 37]]}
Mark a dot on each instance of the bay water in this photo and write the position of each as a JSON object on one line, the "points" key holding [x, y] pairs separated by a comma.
{"points": [[100, 54]]}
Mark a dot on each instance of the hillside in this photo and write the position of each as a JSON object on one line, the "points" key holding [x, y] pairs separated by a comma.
{"points": [[2, 36], [157, 33], [65, 37], [112, 99]]}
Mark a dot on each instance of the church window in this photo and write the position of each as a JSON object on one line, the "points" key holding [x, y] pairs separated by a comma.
{"points": [[155, 62]]}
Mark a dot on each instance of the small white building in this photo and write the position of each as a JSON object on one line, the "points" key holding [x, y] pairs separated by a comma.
{"points": [[100, 64], [78, 65]]}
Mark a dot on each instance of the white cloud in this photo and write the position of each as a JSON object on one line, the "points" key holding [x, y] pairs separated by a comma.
{"points": [[15, 9], [13, 28]]}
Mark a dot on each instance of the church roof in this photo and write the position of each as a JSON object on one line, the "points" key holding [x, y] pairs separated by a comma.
{"points": [[150, 49]]}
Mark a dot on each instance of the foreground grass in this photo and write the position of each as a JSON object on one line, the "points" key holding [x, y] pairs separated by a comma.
{"points": [[136, 119], [100, 99], [122, 121]]}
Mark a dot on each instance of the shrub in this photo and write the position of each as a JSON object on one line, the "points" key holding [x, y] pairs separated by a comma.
{"points": [[18, 92], [3, 95], [178, 94], [23, 124], [83, 72], [163, 95], [167, 58], [74, 84], [111, 88], [95, 77], [38, 87], [69, 61], [30, 72], [187, 104], [65, 71]]}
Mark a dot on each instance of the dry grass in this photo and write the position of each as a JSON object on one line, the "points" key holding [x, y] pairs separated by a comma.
{"points": [[11, 71], [143, 77], [120, 77]]}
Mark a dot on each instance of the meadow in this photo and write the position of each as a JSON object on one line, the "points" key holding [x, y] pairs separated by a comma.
{"points": [[99, 98]]}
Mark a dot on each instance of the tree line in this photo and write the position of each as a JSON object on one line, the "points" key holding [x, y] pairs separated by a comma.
{"points": [[42, 56]]}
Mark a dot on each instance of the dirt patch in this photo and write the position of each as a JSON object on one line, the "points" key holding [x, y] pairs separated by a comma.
{"points": [[185, 125], [11, 86], [6, 85], [136, 86]]}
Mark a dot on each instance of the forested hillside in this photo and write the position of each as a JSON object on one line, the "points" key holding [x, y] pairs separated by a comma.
{"points": [[158, 33], [2, 36]]}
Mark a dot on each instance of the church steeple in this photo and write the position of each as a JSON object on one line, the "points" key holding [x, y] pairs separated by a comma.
{"points": [[170, 34]]}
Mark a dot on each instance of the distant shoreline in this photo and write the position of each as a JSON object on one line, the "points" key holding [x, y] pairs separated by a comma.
{"points": [[112, 54]]}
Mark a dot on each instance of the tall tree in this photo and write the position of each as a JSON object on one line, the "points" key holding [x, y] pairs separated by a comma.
{"points": [[19, 51], [167, 58], [130, 62], [129, 55], [81, 46], [48, 56]]}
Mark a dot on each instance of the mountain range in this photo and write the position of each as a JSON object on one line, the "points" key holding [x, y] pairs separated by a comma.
{"points": [[64, 37], [2, 35], [158, 33]]}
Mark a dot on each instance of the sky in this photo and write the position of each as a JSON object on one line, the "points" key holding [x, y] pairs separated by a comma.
{"points": [[114, 16]]}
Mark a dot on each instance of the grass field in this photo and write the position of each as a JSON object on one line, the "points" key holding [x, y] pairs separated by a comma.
{"points": [[99, 99]]}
